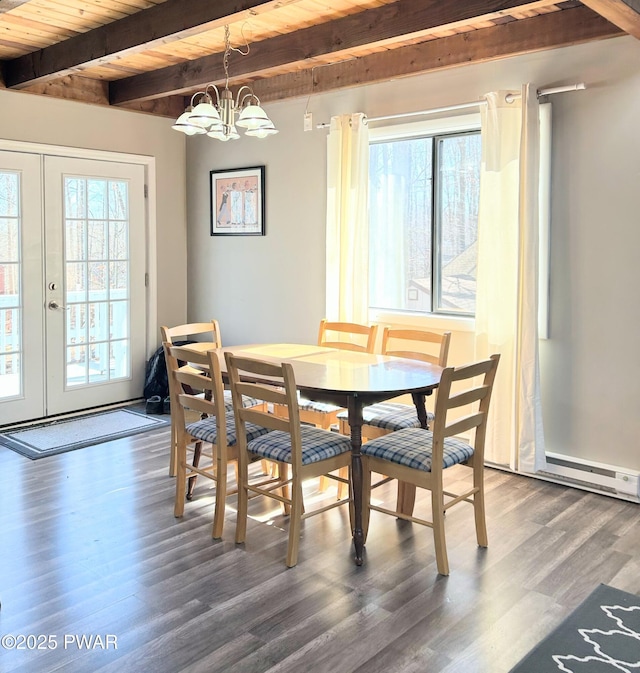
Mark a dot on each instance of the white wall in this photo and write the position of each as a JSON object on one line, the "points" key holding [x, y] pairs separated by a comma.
{"points": [[273, 288], [267, 288], [39, 119]]}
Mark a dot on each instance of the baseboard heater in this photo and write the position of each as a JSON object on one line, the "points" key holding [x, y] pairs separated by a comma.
{"points": [[597, 477]]}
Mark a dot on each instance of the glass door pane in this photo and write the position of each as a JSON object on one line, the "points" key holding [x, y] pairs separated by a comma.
{"points": [[97, 334], [21, 292], [10, 293]]}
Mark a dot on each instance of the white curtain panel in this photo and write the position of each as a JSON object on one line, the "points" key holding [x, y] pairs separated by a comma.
{"points": [[347, 220], [531, 449], [507, 279]]}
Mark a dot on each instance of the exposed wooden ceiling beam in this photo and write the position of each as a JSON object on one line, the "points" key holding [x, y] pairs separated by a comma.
{"points": [[73, 87], [171, 20], [623, 13], [94, 91], [406, 19], [547, 31]]}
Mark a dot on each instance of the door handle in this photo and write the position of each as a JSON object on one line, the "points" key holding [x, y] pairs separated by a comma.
{"points": [[53, 306]]}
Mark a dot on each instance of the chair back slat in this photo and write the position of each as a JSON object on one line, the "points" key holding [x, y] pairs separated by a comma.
{"points": [[473, 369], [265, 420], [196, 381], [186, 354], [269, 394], [436, 356], [467, 397], [195, 403], [463, 425], [197, 329], [345, 346], [361, 338]]}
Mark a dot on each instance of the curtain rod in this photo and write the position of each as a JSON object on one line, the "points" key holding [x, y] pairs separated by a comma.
{"points": [[463, 106]]}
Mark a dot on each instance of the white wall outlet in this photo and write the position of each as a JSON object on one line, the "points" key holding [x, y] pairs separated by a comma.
{"points": [[308, 121]]}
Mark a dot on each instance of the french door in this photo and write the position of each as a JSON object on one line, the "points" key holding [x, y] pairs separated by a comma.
{"points": [[72, 284]]}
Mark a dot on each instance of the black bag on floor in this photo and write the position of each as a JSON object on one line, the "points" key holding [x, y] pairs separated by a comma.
{"points": [[155, 379]]}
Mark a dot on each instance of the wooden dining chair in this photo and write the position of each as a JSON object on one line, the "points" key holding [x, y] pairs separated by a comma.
{"points": [[415, 344], [184, 333], [208, 337], [203, 419], [308, 450], [419, 457]]}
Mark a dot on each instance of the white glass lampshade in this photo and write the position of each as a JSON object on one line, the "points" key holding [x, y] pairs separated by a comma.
{"points": [[184, 124], [253, 117], [232, 134], [218, 135], [204, 114], [216, 127], [262, 132]]}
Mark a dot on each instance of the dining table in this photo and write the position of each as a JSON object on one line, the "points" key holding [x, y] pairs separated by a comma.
{"points": [[351, 380]]}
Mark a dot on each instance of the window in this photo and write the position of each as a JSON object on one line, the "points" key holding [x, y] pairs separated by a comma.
{"points": [[423, 221]]}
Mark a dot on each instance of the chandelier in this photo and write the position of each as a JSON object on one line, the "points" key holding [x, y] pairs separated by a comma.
{"points": [[217, 117]]}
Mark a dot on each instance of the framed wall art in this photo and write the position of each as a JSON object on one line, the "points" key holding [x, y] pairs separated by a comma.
{"points": [[237, 202]]}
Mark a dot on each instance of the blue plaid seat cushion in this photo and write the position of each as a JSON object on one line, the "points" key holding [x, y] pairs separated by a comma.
{"points": [[317, 445], [390, 416], [413, 447], [207, 430], [246, 401], [322, 407]]}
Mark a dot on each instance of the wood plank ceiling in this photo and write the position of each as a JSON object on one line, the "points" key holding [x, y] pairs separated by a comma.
{"points": [[152, 55]]}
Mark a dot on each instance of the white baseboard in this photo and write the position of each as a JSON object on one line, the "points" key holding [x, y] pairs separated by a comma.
{"points": [[611, 480]]}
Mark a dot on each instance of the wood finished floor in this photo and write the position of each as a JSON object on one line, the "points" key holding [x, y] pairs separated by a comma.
{"points": [[89, 546]]}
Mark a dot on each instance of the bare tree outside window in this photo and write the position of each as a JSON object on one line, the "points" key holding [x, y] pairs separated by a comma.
{"points": [[97, 279], [10, 299], [423, 217]]}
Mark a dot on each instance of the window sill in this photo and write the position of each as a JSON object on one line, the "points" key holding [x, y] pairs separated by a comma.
{"points": [[432, 321]]}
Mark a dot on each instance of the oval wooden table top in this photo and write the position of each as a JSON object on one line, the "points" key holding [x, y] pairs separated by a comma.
{"points": [[347, 372]]}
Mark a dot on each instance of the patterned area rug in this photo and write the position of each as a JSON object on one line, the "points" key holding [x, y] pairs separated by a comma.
{"points": [[52, 437], [602, 635]]}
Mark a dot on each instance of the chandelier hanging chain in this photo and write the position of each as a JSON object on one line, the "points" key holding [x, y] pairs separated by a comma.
{"points": [[225, 59], [228, 49]]}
